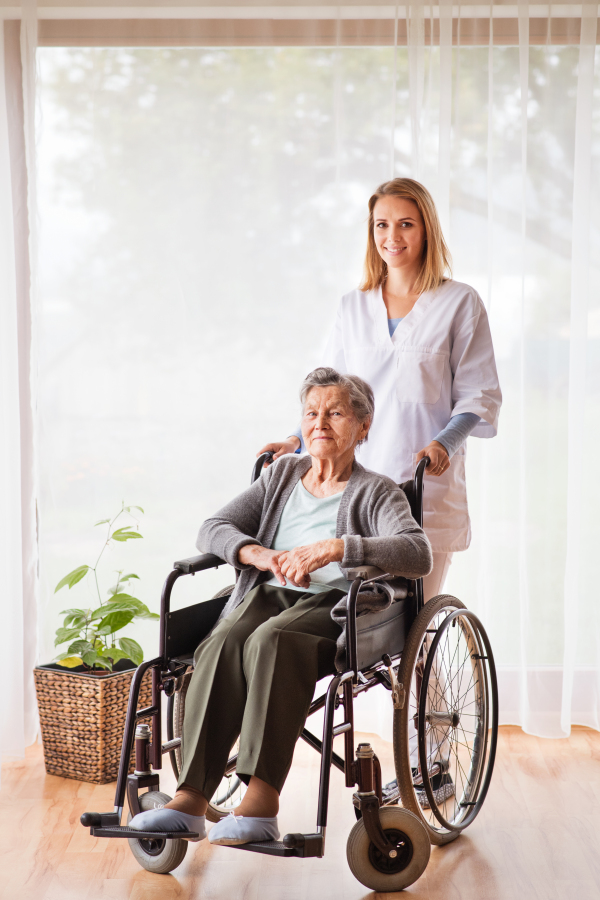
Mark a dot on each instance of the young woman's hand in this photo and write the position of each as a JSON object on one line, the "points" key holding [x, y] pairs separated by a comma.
{"points": [[297, 564], [263, 559], [279, 448], [438, 456]]}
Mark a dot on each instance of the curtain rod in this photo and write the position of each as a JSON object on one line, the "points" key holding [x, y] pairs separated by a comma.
{"points": [[296, 12]]}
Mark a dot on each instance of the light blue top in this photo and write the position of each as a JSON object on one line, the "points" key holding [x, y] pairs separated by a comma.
{"points": [[393, 324], [304, 520]]}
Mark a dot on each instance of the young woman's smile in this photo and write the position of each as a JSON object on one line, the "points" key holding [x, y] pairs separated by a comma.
{"points": [[399, 232]]}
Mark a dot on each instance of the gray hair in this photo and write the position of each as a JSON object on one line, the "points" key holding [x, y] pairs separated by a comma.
{"points": [[360, 394]]}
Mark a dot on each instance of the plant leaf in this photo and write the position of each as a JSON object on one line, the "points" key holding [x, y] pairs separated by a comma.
{"points": [[73, 612], [114, 621], [124, 534], [103, 664], [145, 613], [115, 654], [66, 634], [69, 662], [125, 602], [102, 522], [89, 658], [76, 618], [122, 582], [72, 578], [80, 647], [129, 508], [132, 649], [75, 622], [117, 601], [127, 605]]}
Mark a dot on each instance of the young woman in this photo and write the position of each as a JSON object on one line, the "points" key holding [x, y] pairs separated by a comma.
{"points": [[423, 343]]}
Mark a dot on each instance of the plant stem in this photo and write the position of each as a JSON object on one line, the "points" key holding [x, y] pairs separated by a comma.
{"points": [[106, 543], [94, 569]]}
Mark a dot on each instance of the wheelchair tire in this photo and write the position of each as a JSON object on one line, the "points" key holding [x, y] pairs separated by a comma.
{"points": [[451, 696], [231, 790], [160, 857], [383, 875]]}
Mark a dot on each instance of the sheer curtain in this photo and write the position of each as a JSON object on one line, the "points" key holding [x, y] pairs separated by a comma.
{"points": [[18, 551], [202, 194]]}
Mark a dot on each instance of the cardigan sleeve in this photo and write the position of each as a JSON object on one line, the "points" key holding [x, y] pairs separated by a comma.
{"points": [[390, 539], [235, 524]]}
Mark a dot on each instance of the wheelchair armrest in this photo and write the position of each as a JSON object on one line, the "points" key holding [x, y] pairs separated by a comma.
{"points": [[198, 563], [367, 573], [372, 575]]}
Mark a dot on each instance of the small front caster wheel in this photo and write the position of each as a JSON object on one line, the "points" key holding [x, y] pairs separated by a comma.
{"points": [[380, 873], [160, 856]]}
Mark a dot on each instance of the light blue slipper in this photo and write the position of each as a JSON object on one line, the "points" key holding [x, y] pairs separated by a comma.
{"points": [[161, 819], [233, 830]]}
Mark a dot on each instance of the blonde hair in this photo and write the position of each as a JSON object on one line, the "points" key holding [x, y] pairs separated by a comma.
{"points": [[436, 256]]}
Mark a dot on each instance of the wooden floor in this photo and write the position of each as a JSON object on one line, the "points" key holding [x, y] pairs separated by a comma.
{"points": [[537, 838]]}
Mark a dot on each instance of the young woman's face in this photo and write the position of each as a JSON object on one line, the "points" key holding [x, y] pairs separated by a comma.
{"points": [[399, 232]]}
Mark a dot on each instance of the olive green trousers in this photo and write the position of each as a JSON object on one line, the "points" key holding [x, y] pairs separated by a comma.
{"points": [[254, 678]]}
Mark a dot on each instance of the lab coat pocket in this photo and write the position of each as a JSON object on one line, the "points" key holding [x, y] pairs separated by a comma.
{"points": [[419, 375]]}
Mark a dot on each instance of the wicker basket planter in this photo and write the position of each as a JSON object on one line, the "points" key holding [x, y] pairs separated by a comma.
{"points": [[82, 717]]}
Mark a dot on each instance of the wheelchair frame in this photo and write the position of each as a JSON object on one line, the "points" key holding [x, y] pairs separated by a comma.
{"points": [[361, 770]]}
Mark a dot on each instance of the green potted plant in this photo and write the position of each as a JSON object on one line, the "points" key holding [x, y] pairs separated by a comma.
{"points": [[82, 694]]}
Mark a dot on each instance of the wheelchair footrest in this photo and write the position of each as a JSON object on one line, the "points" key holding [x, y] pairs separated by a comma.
{"points": [[273, 848], [299, 845], [123, 831]]}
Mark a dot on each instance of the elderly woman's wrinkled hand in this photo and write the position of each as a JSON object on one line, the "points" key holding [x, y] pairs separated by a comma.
{"points": [[263, 559], [296, 565]]}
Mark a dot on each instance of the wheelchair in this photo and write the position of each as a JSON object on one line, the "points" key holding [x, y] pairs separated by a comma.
{"points": [[435, 662]]}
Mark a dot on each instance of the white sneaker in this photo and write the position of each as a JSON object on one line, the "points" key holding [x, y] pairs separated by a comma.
{"points": [[234, 830]]}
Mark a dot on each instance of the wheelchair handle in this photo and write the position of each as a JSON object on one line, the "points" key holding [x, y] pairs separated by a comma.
{"points": [[258, 465], [422, 465]]}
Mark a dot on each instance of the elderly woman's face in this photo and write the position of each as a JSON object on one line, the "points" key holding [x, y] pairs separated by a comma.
{"points": [[329, 425]]}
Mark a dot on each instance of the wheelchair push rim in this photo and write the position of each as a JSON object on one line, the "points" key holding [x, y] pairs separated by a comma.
{"points": [[448, 674], [471, 721]]}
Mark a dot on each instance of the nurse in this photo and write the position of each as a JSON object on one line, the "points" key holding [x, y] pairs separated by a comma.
{"points": [[423, 343]]}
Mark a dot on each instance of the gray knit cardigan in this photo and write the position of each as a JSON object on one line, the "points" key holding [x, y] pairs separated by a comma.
{"points": [[374, 520]]}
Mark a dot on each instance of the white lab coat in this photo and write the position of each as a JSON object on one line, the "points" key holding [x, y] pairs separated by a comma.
{"points": [[438, 363]]}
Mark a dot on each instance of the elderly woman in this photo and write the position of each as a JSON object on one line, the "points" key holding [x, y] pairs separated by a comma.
{"points": [[291, 536]]}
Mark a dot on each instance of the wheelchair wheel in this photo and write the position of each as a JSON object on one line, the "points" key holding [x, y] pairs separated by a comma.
{"points": [[160, 856], [379, 873], [231, 789], [445, 736]]}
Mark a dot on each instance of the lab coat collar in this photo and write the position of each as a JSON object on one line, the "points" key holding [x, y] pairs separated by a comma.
{"points": [[407, 324]]}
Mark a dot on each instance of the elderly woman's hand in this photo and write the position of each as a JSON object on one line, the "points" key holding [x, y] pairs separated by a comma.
{"points": [[438, 456], [262, 558], [297, 564]]}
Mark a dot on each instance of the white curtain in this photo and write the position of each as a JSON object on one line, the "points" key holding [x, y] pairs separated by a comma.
{"points": [[18, 545], [202, 208]]}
